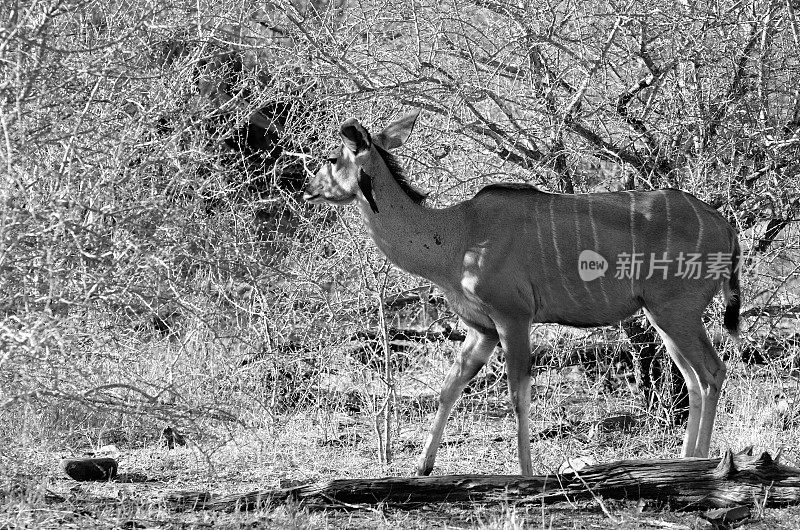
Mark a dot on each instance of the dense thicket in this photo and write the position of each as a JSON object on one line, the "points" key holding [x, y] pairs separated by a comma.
{"points": [[156, 259]]}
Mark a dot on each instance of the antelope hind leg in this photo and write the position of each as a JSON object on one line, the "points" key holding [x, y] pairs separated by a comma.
{"points": [[712, 375], [689, 347]]}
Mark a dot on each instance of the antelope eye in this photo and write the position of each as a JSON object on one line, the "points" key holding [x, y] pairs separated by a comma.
{"points": [[332, 160]]}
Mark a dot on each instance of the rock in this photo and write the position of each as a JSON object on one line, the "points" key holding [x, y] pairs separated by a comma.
{"points": [[83, 469]]}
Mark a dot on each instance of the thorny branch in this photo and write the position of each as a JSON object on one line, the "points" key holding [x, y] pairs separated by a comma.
{"points": [[737, 88]]}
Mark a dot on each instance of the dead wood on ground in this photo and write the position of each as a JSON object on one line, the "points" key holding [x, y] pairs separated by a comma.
{"points": [[690, 483]]}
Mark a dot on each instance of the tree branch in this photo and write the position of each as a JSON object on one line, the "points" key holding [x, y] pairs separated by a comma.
{"points": [[659, 165], [578, 96], [737, 88]]}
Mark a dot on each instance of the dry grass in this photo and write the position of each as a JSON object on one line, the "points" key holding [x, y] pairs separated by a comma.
{"points": [[319, 444]]}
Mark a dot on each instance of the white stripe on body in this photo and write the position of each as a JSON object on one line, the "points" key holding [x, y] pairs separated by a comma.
{"points": [[578, 248], [700, 229], [632, 223], [559, 263], [602, 279]]}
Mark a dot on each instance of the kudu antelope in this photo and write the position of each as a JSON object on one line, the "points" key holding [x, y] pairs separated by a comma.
{"points": [[513, 255]]}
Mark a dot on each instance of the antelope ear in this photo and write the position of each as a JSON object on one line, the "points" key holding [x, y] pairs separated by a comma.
{"points": [[396, 133], [355, 136]]}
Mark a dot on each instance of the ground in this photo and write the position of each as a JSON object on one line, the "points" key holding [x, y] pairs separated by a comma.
{"points": [[315, 445]]}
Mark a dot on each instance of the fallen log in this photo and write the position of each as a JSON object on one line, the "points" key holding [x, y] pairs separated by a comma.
{"points": [[687, 483]]}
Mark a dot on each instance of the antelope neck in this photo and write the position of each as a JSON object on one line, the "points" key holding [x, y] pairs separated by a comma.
{"points": [[418, 239]]}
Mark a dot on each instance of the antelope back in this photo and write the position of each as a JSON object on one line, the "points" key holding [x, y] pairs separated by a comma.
{"points": [[592, 259]]}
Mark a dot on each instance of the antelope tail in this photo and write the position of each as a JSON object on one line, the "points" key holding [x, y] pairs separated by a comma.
{"points": [[732, 294]]}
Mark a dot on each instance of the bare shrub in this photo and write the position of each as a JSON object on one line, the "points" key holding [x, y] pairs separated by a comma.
{"points": [[157, 264]]}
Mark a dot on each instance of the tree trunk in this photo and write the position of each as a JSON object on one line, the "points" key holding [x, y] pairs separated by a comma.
{"points": [[650, 374]]}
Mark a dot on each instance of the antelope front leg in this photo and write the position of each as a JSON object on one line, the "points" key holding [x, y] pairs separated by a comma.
{"points": [[516, 343], [474, 353]]}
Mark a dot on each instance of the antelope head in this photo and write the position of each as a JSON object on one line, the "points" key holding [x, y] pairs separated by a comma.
{"points": [[345, 174]]}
